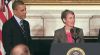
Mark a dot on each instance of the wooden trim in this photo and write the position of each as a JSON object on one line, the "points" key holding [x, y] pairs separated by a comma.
{"points": [[62, 2]]}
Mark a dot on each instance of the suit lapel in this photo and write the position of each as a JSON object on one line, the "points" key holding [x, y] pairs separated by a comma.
{"points": [[25, 26], [16, 24], [63, 34]]}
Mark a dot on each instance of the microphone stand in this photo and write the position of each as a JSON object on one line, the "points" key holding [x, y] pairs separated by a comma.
{"points": [[73, 34], [74, 37]]}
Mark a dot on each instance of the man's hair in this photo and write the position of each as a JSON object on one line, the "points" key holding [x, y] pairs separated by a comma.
{"points": [[21, 47], [16, 3], [65, 13]]}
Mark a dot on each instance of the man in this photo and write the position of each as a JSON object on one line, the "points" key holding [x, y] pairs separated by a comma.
{"points": [[16, 30], [99, 36], [20, 49]]}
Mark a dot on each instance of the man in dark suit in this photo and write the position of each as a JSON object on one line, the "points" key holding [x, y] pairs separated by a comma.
{"points": [[99, 36], [16, 30]]}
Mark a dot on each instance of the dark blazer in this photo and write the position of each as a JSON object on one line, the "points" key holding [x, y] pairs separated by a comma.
{"points": [[99, 36], [60, 36], [13, 34]]}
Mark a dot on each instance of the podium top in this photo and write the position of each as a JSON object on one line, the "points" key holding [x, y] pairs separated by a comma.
{"points": [[64, 48]]}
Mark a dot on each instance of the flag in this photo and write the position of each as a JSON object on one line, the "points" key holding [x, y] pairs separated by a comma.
{"points": [[2, 52], [5, 14], [8, 8]]}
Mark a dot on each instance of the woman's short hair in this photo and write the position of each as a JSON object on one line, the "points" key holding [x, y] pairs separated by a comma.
{"points": [[65, 13]]}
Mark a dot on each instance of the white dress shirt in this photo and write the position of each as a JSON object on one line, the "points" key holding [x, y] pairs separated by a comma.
{"points": [[17, 19]]}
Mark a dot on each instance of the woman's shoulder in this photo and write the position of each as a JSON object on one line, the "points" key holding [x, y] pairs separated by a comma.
{"points": [[77, 28], [60, 30]]}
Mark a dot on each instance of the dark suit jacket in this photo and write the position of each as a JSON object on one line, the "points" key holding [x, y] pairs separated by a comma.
{"points": [[99, 36], [60, 36], [13, 34]]}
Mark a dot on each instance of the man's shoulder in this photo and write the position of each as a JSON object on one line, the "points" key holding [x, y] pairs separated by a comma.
{"points": [[25, 21], [8, 22]]}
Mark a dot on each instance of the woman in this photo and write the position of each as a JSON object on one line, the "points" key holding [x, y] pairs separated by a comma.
{"points": [[68, 33]]}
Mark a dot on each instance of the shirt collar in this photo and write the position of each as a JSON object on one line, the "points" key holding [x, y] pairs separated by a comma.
{"points": [[17, 19]]}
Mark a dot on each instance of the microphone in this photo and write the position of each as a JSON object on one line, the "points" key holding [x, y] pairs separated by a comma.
{"points": [[74, 33]]}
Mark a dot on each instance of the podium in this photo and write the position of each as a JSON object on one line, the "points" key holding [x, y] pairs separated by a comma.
{"points": [[75, 49]]}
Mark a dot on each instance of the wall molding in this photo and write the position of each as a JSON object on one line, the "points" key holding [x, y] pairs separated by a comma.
{"points": [[62, 2]]}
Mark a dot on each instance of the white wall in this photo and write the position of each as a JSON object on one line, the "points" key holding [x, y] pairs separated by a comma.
{"points": [[45, 19]]}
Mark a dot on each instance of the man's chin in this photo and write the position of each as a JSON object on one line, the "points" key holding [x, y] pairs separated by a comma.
{"points": [[24, 17]]}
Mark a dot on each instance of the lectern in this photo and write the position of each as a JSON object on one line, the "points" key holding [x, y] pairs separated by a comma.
{"points": [[75, 49]]}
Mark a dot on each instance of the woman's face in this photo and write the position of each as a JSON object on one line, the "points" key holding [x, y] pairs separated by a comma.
{"points": [[70, 20]]}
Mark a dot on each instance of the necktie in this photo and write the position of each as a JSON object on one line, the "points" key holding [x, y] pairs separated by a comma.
{"points": [[23, 29], [21, 24]]}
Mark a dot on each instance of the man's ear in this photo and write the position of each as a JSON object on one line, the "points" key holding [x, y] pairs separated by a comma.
{"points": [[14, 11]]}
